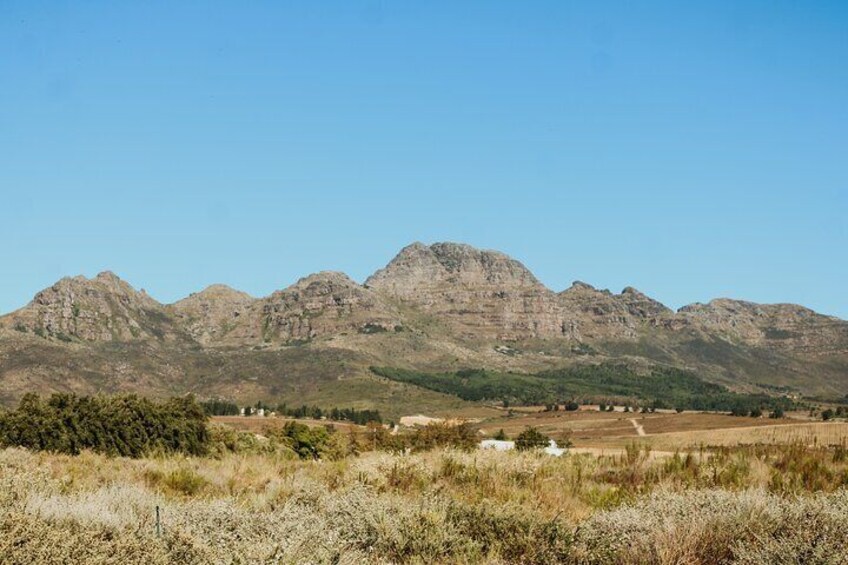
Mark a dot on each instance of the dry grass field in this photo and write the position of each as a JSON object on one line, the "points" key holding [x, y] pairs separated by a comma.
{"points": [[587, 428], [610, 432], [749, 505], [690, 488], [807, 433]]}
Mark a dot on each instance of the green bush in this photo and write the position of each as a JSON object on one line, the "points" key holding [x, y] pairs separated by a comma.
{"points": [[531, 438], [184, 481], [127, 425], [439, 434], [307, 442]]}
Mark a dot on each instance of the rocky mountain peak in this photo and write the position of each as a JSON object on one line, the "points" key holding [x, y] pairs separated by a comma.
{"points": [[214, 293], [418, 265], [104, 308], [209, 314], [580, 285], [325, 281], [108, 277], [321, 304], [472, 265], [480, 292], [642, 305], [786, 327], [580, 288]]}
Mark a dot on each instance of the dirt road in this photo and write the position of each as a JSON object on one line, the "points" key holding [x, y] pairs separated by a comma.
{"points": [[640, 431]]}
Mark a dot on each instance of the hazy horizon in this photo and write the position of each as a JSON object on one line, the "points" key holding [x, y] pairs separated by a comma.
{"points": [[693, 152]]}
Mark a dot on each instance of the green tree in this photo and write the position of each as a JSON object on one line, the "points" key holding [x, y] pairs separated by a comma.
{"points": [[439, 434], [531, 438], [122, 425]]}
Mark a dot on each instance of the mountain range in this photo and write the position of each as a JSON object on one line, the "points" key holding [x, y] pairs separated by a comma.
{"points": [[439, 307]]}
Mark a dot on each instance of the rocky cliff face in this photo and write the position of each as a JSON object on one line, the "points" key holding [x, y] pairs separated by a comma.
{"points": [[209, 315], [488, 294], [319, 305], [104, 308], [599, 314], [483, 294], [783, 327]]}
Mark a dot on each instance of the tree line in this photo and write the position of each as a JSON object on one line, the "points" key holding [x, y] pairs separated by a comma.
{"points": [[125, 425], [217, 407], [607, 383]]}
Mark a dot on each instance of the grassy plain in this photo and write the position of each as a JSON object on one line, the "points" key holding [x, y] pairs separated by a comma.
{"points": [[696, 488], [744, 505]]}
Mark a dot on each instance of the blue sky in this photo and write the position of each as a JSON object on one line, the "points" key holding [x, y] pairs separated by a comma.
{"points": [[693, 150]]}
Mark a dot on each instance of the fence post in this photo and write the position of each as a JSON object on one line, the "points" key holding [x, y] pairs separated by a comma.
{"points": [[158, 524]]}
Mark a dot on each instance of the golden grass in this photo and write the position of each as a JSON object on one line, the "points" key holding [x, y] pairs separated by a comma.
{"points": [[668, 431], [810, 434], [436, 506]]}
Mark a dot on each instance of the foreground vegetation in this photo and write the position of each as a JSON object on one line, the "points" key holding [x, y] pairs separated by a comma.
{"points": [[300, 493], [754, 505], [127, 425]]}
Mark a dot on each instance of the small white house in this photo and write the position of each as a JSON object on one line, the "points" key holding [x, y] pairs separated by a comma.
{"points": [[260, 412], [553, 449]]}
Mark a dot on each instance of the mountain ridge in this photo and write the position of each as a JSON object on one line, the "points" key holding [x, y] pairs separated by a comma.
{"points": [[439, 306]]}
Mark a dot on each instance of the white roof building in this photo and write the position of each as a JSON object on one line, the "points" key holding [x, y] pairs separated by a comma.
{"points": [[553, 449]]}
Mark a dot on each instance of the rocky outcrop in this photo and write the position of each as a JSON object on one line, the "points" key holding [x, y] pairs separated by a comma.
{"points": [[482, 294], [783, 327], [602, 315], [104, 308], [209, 315], [322, 304]]}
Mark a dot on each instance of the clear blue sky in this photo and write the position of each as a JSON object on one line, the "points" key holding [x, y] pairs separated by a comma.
{"points": [[692, 151]]}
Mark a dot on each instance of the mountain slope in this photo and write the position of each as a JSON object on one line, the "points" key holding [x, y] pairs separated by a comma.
{"points": [[440, 307]]}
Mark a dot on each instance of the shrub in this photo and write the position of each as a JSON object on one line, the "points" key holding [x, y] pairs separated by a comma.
{"points": [[307, 442], [184, 481], [121, 425], [438, 434], [531, 438]]}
